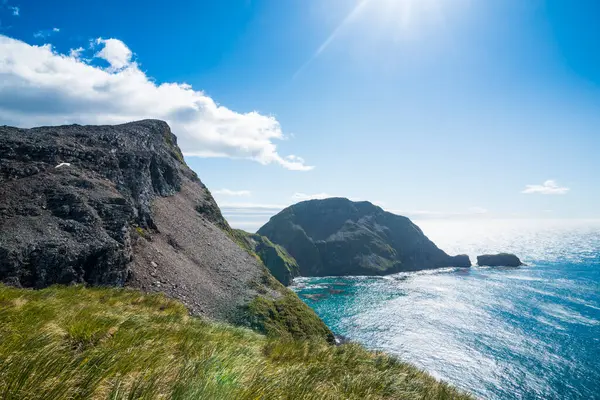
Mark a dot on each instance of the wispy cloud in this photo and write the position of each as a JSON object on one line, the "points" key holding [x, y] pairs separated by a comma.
{"points": [[44, 33], [228, 192], [548, 187], [249, 216], [76, 53], [43, 87], [252, 207], [315, 196], [16, 11]]}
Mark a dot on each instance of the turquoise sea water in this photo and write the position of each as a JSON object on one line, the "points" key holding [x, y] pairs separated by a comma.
{"points": [[523, 333]]}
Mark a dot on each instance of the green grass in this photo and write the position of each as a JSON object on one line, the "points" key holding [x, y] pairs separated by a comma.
{"points": [[286, 317], [98, 343]]}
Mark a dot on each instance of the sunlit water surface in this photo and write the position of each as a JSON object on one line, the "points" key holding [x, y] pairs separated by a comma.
{"points": [[523, 333]]}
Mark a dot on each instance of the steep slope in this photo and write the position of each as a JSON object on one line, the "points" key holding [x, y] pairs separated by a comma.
{"points": [[277, 260], [339, 237], [116, 205]]}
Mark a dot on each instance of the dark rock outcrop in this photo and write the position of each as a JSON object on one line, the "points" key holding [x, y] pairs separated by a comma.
{"points": [[461, 261], [339, 237], [499, 260], [117, 205], [277, 260]]}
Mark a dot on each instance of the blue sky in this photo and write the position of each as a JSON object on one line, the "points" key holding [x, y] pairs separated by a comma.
{"points": [[431, 108]]}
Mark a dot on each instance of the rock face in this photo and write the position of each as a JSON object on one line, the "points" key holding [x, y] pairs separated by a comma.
{"points": [[116, 205], [339, 237], [277, 260], [499, 260]]}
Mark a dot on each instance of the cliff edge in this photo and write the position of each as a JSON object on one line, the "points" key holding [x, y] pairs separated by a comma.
{"points": [[117, 206]]}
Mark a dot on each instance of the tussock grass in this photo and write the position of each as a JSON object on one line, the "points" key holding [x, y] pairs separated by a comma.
{"points": [[99, 343]]}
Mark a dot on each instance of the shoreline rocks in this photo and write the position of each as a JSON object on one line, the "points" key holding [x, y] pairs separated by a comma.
{"points": [[499, 260], [461, 261]]}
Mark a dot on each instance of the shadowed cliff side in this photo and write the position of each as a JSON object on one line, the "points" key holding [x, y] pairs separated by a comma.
{"points": [[116, 205]]}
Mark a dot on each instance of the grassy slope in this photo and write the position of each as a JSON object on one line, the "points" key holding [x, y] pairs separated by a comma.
{"points": [[282, 315], [78, 343]]}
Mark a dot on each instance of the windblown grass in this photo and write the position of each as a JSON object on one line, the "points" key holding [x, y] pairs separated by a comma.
{"points": [[79, 343]]}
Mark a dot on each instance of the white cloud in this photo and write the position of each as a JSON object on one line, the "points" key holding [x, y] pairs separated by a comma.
{"points": [[115, 52], [228, 192], [42, 87], [76, 53], [249, 216], [252, 207], [304, 196], [16, 11], [548, 187], [44, 33]]}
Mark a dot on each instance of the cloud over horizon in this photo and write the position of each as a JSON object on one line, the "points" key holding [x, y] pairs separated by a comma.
{"points": [[229, 192], [304, 196], [548, 187], [40, 86]]}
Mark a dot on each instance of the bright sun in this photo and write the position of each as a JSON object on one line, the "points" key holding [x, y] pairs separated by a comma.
{"points": [[396, 18]]}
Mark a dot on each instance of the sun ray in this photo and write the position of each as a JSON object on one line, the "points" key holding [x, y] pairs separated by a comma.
{"points": [[394, 15], [349, 18]]}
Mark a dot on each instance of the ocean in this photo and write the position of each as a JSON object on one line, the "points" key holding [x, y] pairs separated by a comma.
{"points": [[500, 333]]}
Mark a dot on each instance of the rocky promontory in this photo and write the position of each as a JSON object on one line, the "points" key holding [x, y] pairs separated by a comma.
{"points": [[118, 206], [336, 237]]}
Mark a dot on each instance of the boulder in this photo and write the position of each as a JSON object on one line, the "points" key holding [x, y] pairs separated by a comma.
{"points": [[461, 261], [499, 260]]}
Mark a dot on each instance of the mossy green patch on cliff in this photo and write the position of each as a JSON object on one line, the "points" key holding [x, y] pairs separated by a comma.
{"points": [[170, 140], [286, 317], [142, 233], [277, 260], [277, 311], [76, 343]]}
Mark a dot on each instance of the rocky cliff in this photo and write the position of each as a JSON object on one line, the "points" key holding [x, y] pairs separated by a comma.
{"points": [[339, 237], [116, 205]]}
